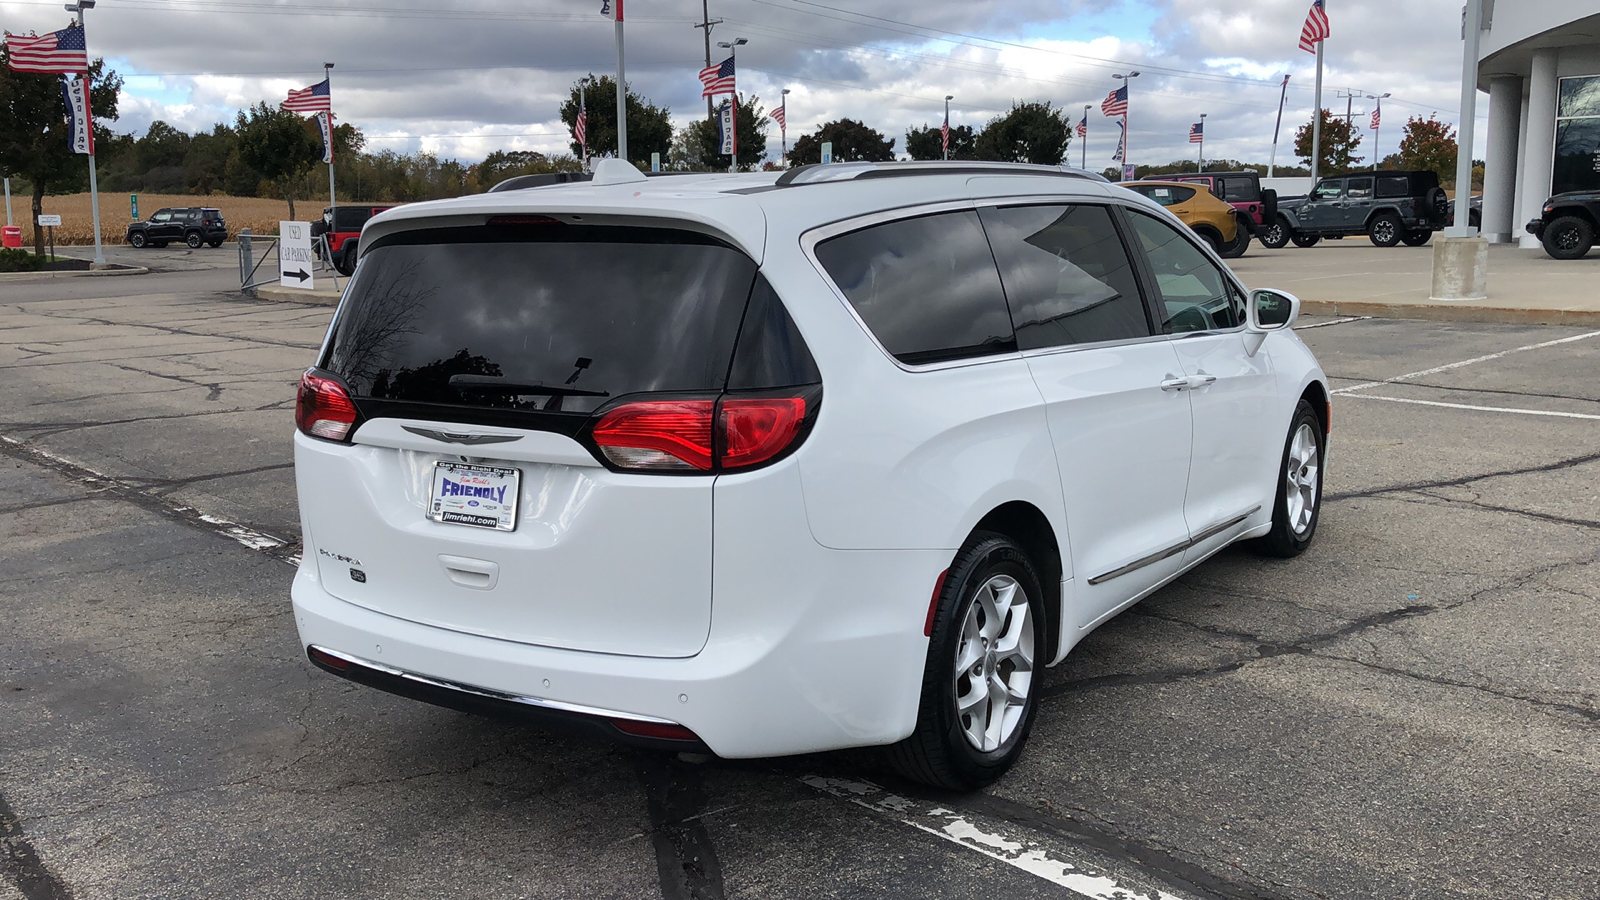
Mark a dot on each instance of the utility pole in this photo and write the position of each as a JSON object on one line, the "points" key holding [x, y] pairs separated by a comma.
{"points": [[733, 99], [705, 24], [1349, 99]]}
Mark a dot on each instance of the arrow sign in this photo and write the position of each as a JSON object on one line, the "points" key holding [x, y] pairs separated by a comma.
{"points": [[294, 256], [301, 274]]}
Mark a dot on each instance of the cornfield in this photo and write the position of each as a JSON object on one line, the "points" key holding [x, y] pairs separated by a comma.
{"points": [[259, 214]]}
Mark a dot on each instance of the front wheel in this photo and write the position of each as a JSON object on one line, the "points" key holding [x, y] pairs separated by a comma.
{"points": [[1417, 238], [1306, 241], [979, 693], [136, 240], [194, 240], [1277, 236], [1386, 230], [1568, 237], [1299, 502]]}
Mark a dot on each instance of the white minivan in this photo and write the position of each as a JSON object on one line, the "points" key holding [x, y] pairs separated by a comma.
{"points": [[769, 464]]}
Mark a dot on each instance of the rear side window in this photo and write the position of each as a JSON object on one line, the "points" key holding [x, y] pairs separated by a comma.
{"points": [[550, 318], [926, 287], [1066, 275], [1390, 186], [771, 353], [1240, 190], [1359, 188], [1192, 290], [1166, 195]]}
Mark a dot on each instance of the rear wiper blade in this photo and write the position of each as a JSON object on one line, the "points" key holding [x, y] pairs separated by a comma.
{"points": [[492, 385]]}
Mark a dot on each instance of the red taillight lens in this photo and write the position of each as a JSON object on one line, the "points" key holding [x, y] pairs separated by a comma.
{"points": [[660, 730], [323, 408], [658, 434], [320, 655], [757, 429]]}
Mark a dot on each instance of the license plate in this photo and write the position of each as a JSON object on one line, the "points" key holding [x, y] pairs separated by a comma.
{"points": [[480, 496]]}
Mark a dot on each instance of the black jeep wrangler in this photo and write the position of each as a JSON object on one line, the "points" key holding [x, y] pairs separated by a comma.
{"points": [[1389, 207], [1568, 224]]}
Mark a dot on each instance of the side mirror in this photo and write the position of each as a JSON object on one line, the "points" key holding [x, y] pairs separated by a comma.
{"points": [[1269, 311]]}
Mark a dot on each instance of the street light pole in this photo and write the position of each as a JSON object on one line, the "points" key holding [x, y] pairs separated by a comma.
{"points": [[1127, 130], [733, 99], [333, 199], [945, 143], [1377, 128], [1083, 147], [94, 186], [783, 129]]}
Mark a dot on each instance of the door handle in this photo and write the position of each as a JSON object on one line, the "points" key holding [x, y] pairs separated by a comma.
{"points": [[1200, 381], [1176, 384]]}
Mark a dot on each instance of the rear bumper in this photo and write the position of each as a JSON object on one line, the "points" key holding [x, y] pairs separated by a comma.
{"points": [[836, 662]]}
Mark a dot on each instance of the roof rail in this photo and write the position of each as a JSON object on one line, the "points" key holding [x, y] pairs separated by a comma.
{"points": [[817, 174]]}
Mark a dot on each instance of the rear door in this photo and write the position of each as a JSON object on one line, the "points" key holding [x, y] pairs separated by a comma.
{"points": [[1357, 203], [1121, 429], [477, 357]]}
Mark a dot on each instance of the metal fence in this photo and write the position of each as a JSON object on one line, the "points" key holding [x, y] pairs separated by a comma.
{"points": [[249, 265]]}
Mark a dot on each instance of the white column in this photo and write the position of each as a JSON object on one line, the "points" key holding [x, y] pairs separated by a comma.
{"points": [[1538, 160], [1500, 172], [1522, 154]]}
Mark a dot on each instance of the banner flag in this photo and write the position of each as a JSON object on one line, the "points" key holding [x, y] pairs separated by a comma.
{"points": [[325, 124], [725, 129], [80, 123]]}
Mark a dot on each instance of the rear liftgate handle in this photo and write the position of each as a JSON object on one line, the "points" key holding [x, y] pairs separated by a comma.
{"points": [[478, 574]]}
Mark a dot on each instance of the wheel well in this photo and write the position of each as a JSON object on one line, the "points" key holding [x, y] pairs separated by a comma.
{"points": [[1205, 230], [1025, 524], [1389, 210], [1580, 212], [1316, 394]]}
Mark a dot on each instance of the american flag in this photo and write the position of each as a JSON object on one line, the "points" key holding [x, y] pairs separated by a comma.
{"points": [[1197, 132], [580, 131], [944, 135], [312, 99], [1116, 102], [1083, 126], [58, 51], [1315, 30], [778, 115], [718, 79], [1376, 115]]}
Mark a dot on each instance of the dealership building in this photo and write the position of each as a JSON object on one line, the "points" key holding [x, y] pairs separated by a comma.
{"points": [[1540, 62]]}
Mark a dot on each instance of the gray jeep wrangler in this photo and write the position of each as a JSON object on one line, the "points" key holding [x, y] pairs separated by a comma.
{"points": [[1389, 207]]}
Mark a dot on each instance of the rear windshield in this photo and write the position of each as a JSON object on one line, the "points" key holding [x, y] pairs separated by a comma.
{"points": [[553, 318], [1240, 189]]}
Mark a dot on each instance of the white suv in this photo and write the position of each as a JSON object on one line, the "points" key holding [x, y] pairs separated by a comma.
{"points": [[770, 464]]}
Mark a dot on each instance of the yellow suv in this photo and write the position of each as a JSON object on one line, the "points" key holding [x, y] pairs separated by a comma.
{"points": [[1206, 215]]}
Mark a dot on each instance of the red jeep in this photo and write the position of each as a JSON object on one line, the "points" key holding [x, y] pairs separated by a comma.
{"points": [[1241, 190], [344, 235]]}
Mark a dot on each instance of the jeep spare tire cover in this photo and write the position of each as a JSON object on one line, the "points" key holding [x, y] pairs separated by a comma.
{"points": [[1438, 202], [1269, 205]]}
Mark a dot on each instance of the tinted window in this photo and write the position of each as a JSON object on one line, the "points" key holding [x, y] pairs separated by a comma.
{"points": [[1237, 189], [1066, 275], [1579, 97], [162, 216], [1359, 188], [1166, 195], [563, 316], [1328, 190], [1192, 291], [771, 353], [1394, 186], [926, 287]]}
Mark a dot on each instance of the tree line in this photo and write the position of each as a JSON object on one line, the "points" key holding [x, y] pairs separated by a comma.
{"points": [[269, 152]]}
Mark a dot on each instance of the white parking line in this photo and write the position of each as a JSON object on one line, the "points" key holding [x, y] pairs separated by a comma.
{"points": [[1498, 409], [1465, 362], [1334, 322], [1017, 852]]}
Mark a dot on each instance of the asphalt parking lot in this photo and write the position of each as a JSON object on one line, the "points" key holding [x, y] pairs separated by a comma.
{"points": [[1409, 710]]}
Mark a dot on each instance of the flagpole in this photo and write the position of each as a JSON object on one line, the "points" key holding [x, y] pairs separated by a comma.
{"points": [[1316, 117], [94, 186], [583, 141], [1085, 148], [1201, 166], [1273, 161], [783, 128], [333, 200], [945, 143], [622, 93]]}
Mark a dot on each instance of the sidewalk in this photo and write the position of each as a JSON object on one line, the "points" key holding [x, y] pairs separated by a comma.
{"points": [[324, 295], [1351, 277]]}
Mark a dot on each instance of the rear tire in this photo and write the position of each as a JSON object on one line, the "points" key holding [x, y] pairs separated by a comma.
{"points": [[345, 262], [215, 244], [1212, 239], [1417, 238], [137, 240], [1568, 237], [1385, 230], [1298, 505], [1306, 241], [980, 685], [1277, 235]]}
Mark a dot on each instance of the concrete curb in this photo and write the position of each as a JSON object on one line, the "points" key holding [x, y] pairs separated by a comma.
{"points": [[277, 294], [1444, 311], [77, 273]]}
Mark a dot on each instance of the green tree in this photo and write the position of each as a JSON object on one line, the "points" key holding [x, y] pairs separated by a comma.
{"points": [[275, 143], [206, 162], [700, 149], [852, 141], [1030, 132], [1340, 140], [162, 145], [1429, 144], [927, 142], [503, 164], [649, 126], [33, 130]]}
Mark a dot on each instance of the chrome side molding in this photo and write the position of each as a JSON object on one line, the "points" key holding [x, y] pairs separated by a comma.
{"points": [[1199, 537]]}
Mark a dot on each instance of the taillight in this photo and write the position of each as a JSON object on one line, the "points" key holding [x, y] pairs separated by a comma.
{"points": [[658, 434], [323, 408], [756, 430], [699, 435]]}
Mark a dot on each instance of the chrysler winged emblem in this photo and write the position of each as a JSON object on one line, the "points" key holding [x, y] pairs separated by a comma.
{"points": [[453, 437]]}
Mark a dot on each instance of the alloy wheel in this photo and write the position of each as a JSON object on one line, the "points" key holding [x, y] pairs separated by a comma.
{"points": [[1301, 479], [1567, 239], [994, 664], [1384, 231]]}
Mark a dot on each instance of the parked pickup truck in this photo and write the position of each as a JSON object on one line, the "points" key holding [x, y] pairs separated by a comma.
{"points": [[1389, 207]]}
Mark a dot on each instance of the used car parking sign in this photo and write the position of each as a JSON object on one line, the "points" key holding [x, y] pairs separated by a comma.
{"points": [[294, 255]]}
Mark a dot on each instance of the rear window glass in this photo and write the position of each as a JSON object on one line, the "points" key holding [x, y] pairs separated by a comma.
{"points": [[555, 318], [926, 287], [1359, 188], [1394, 186]]}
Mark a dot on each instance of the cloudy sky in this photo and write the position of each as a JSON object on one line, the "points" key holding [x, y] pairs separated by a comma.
{"points": [[464, 77]]}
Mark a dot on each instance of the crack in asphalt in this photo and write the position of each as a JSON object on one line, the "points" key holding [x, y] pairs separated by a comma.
{"points": [[685, 857], [1479, 390], [1463, 480], [1529, 513]]}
